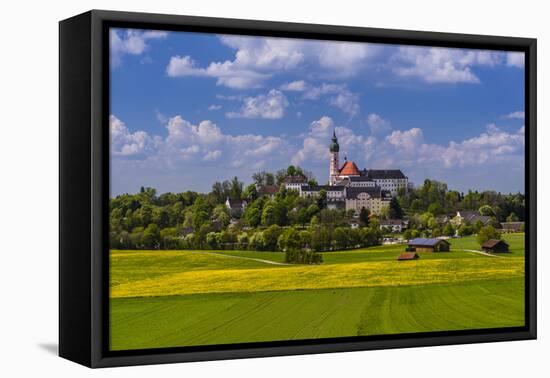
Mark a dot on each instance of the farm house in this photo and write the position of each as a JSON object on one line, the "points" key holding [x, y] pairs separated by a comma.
{"points": [[428, 245], [512, 226], [495, 245]]}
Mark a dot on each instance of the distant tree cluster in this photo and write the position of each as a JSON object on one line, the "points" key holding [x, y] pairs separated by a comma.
{"points": [[290, 223], [189, 220], [435, 198], [275, 238], [430, 207]]}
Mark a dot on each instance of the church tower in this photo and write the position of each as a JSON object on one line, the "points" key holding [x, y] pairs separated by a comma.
{"points": [[334, 166]]}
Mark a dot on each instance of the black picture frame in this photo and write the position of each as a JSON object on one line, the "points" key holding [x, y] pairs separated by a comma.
{"points": [[84, 187]]}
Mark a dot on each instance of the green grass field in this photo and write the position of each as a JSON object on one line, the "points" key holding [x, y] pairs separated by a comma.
{"points": [[183, 298]]}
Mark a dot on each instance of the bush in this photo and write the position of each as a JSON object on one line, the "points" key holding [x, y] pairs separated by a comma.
{"points": [[302, 256], [271, 236], [449, 230], [242, 239], [257, 241], [486, 233], [171, 242], [213, 240], [465, 230], [370, 236]]}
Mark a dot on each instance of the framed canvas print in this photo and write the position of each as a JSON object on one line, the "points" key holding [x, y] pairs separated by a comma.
{"points": [[233, 188]]}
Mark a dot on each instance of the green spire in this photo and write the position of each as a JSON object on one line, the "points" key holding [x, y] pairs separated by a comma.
{"points": [[334, 146]]}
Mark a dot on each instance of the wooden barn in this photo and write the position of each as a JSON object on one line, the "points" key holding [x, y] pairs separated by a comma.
{"points": [[428, 245], [494, 245], [407, 256], [512, 226]]}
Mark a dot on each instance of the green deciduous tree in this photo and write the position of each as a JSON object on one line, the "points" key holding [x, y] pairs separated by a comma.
{"points": [[465, 230], [435, 208], [151, 236], [253, 216], [236, 188], [512, 218], [302, 256], [449, 230], [271, 236], [269, 215], [486, 210], [289, 239], [486, 233], [250, 193]]}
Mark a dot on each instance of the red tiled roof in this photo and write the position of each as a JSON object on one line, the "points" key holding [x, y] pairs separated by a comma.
{"points": [[350, 169], [268, 189]]}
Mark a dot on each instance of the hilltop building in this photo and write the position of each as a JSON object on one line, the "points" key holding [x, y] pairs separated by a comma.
{"points": [[349, 174], [236, 207], [351, 188], [373, 199]]}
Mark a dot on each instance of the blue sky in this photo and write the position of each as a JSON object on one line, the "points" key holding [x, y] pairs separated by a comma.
{"points": [[188, 109]]}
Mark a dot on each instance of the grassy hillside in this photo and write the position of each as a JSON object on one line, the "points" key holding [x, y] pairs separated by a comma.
{"points": [[289, 315], [516, 242], [376, 273], [178, 298]]}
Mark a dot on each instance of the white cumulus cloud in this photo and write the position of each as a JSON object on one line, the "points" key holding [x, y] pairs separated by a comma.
{"points": [[294, 86], [185, 141], [268, 106], [315, 146], [515, 115], [257, 59], [377, 124], [442, 65], [494, 149], [226, 73], [339, 96], [131, 42], [212, 155], [126, 143]]}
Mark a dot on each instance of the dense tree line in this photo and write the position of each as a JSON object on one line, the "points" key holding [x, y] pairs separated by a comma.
{"points": [[288, 222], [190, 220], [435, 198]]}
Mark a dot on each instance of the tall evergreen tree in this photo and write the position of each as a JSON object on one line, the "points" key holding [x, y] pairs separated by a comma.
{"points": [[395, 210], [364, 217]]}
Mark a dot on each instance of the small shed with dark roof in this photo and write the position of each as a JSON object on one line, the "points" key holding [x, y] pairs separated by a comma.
{"points": [[428, 245], [513, 226], [495, 245], [407, 256]]}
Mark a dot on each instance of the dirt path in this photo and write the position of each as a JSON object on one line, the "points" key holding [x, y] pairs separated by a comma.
{"points": [[482, 253], [245, 258]]}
